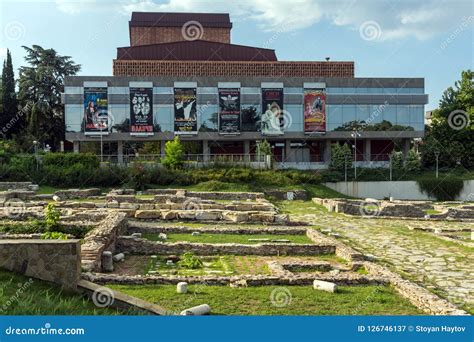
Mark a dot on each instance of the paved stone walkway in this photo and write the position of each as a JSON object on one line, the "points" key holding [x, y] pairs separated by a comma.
{"points": [[446, 268]]}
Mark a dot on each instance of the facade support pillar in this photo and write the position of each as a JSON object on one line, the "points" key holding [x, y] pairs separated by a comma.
{"points": [[288, 157], [247, 157], [76, 145], [206, 152], [367, 150], [120, 152], [162, 148], [405, 147], [327, 151]]}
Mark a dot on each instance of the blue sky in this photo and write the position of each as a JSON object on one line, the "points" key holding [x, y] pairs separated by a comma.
{"points": [[386, 38]]}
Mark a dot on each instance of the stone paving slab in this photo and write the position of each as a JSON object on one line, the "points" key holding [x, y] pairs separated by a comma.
{"points": [[442, 266]]}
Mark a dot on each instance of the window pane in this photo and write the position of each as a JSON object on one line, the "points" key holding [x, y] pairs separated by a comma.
{"points": [[207, 118]]}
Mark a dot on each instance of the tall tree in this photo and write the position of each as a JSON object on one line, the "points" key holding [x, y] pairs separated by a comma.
{"points": [[40, 86], [9, 121], [452, 132]]}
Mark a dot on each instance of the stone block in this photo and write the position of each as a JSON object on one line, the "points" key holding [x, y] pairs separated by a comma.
{"points": [[235, 216], [182, 287], [147, 214], [200, 310], [168, 214], [324, 286]]}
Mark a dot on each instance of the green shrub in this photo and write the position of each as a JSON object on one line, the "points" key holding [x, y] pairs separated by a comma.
{"points": [[397, 160], [53, 236], [66, 160], [413, 162], [139, 176], [188, 260], [51, 217], [174, 154], [443, 189], [340, 157]]}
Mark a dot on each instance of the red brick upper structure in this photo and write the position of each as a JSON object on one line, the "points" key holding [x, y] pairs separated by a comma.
{"points": [[196, 50], [155, 28], [198, 44]]}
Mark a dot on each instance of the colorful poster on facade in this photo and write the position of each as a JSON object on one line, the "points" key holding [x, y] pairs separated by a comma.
{"points": [[96, 118], [229, 111], [141, 111], [314, 111], [272, 111], [185, 112]]}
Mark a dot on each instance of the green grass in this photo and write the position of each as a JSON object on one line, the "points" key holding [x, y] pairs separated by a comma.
{"points": [[211, 266], [224, 300], [230, 238], [298, 207], [21, 296], [314, 190], [46, 189], [432, 212]]}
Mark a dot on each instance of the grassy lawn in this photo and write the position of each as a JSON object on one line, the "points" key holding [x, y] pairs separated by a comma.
{"points": [[230, 238], [298, 207], [302, 300], [21, 296], [432, 212]]}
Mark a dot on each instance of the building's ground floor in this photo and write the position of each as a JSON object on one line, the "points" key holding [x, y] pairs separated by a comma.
{"points": [[287, 153]]}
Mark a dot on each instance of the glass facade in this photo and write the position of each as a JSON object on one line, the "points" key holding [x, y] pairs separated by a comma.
{"points": [[339, 117]]}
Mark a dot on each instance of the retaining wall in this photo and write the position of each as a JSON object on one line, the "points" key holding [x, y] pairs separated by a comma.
{"points": [[127, 244], [58, 261]]}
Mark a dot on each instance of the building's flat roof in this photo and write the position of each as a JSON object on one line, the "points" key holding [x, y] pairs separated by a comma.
{"points": [[196, 50], [169, 19]]}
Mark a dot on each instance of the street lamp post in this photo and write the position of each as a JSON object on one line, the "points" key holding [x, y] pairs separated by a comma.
{"points": [[345, 168], [35, 144], [101, 124], [436, 153], [355, 134], [390, 158]]}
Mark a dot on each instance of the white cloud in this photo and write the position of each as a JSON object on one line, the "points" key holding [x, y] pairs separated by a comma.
{"points": [[397, 19]]}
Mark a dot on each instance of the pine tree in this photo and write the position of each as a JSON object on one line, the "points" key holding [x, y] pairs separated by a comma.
{"points": [[9, 121], [174, 154]]}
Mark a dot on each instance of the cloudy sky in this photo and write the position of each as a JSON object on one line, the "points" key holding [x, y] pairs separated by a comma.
{"points": [[386, 38]]}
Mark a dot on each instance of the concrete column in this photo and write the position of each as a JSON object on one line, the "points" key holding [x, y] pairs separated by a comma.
{"points": [[327, 151], [406, 147], [120, 152], [162, 147], [206, 151], [288, 157], [246, 150], [367, 150], [75, 145]]}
